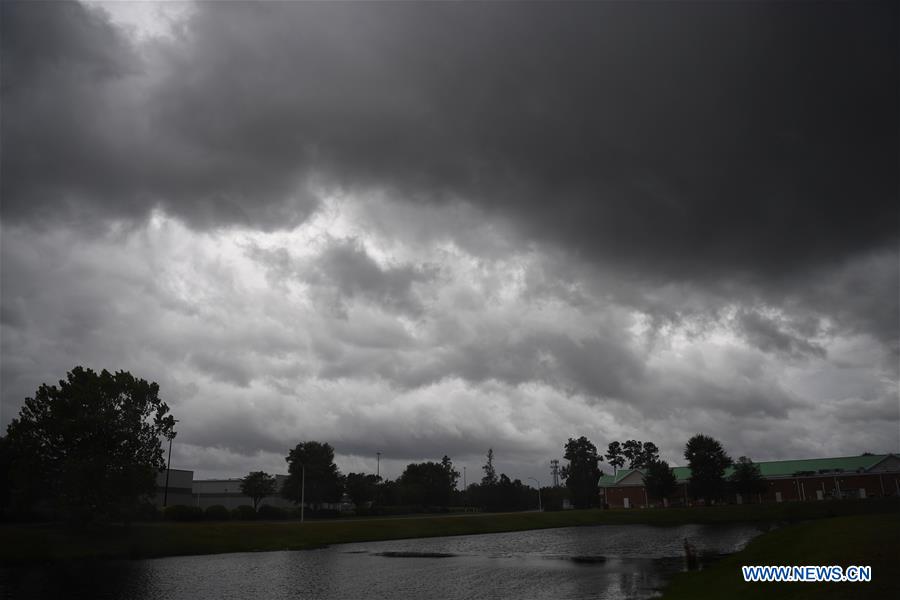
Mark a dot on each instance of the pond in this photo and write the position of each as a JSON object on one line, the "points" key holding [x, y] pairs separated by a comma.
{"points": [[608, 561]]}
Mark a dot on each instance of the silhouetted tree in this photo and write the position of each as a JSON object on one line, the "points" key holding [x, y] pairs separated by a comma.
{"points": [[582, 474], [387, 493], [631, 449], [323, 481], [490, 475], [554, 497], [5, 476], [659, 480], [647, 456], [428, 483], [90, 446], [361, 487], [707, 461], [452, 474], [504, 495], [614, 455], [635, 453], [258, 485], [514, 495], [747, 478]]}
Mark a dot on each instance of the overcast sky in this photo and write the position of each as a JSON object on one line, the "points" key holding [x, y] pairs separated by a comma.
{"points": [[428, 229]]}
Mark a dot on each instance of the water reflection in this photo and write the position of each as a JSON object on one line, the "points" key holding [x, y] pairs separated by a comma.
{"points": [[630, 561]]}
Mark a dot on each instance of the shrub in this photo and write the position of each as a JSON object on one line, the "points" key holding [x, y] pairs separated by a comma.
{"points": [[243, 512], [272, 513], [323, 513], [216, 512], [180, 512], [381, 510]]}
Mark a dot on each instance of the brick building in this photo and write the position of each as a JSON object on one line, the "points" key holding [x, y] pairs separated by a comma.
{"points": [[786, 481]]}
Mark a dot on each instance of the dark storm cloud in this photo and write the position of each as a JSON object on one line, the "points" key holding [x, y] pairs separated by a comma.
{"points": [[769, 335], [85, 138], [348, 267], [598, 366], [344, 271], [595, 208], [692, 140]]}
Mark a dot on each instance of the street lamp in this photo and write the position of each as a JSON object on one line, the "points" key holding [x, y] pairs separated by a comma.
{"points": [[302, 490], [540, 503], [171, 436]]}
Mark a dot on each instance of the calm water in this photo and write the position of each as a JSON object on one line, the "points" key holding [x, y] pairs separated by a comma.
{"points": [[625, 561]]}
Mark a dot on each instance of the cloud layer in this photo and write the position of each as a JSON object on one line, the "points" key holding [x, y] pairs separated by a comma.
{"points": [[435, 228]]}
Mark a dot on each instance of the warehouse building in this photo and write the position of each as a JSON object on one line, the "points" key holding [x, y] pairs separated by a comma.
{"points": [[180, 488], [184, 489], [871, 475], [227, 492]]}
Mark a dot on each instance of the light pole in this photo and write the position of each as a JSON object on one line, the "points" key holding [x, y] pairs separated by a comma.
{"points": [[171, 436], [302, 490], [540, 503]]}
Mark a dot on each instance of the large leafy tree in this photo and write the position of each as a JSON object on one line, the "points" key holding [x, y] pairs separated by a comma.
{"points": [[90, 446], [635, 453], [659, 480], [258, 485], [747, 478], [614, 455], [428, 483], [639, 454], [582, 474], [323, 481], [707, 461], [361, 487]]}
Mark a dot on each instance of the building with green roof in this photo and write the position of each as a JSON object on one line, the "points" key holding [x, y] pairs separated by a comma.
{"points": [[811, 479]]}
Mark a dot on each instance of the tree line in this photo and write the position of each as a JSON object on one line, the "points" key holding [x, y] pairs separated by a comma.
{"points": [[314, 477], [91, 447], [705, 458]]}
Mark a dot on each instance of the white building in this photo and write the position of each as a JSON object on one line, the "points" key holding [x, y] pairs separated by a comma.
{"points": [[227, 492], [180, 488]]}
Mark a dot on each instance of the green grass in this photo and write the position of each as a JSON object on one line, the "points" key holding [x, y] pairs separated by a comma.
{"points": [[48, 541], [872, 540]]}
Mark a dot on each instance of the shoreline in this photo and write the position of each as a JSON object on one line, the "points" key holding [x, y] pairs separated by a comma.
{"points": [[872, 540], [50, 542]]}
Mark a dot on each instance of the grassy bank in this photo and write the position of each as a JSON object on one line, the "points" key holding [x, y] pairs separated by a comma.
{"points": [[872, 540], [29, 542]]}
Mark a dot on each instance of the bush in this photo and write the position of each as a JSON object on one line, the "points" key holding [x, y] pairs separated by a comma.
{"points": [[381, 510], [216, 512], [272, 513], [310, 513], [243, 512], [180, 512]]}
